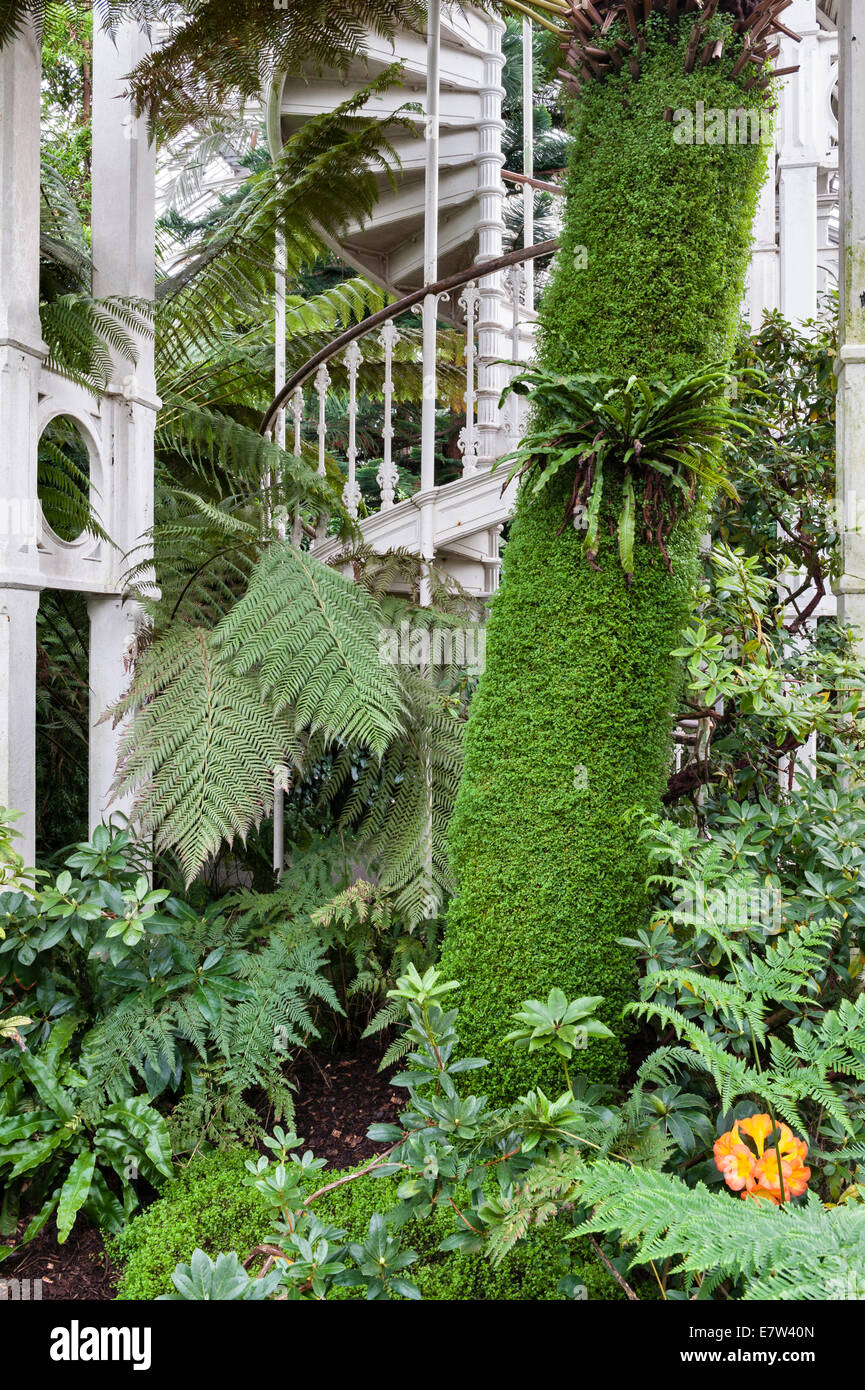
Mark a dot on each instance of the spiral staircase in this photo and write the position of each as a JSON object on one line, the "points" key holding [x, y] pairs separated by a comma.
{"points": [[457, 524], [389, 248]]}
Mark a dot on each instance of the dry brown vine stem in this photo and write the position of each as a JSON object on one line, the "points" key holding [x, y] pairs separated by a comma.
{"points": [[350, 1177], [612, 1270], [273, 1254]]}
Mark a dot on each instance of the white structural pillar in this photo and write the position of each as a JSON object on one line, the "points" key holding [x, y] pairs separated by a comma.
{"points": [[123, 264], [430, 303], [763, 270], [528, 155], [279, 305], [798, 160], [850, 427], [21, 353], [493, 335]]}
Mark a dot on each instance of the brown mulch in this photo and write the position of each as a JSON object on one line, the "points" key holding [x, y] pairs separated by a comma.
{"points": [[79, 1270], [338, 1097]]}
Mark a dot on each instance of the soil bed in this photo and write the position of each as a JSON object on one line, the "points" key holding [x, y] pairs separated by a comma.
{"points": [[339, 1095]]}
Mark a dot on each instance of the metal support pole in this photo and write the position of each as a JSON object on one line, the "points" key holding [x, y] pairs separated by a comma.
{"points": [[21, 353], [123, 219], [430, 303], [528, 156], [279, 439], [850, 366]]}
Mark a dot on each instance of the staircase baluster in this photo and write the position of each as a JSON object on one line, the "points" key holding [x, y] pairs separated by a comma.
{"points": [[387, 475], [296, 412], [514, 280], [351, 491], [468, 442], [322, 381]]}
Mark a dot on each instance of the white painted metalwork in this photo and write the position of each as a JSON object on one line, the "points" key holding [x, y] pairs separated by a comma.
{"points": [[116, 426], [322, 381], [795, 253], [515, 279], [387, 475], [492, 314], [528, 151], [279, 440], [351, 491], [850, 426], [295, 410], [469, 299]]}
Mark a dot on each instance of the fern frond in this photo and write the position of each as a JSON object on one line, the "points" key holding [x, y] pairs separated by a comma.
{"points": [[201, 749], [791, 1252], [313, 638]]}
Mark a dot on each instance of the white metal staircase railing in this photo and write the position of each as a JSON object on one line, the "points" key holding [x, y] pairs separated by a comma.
{"points": [[455, 522], [390, 246]]}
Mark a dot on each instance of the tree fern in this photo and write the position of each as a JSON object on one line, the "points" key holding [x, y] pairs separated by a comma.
{"points": [[399, 808], [791, 1252], [82, 333], [313, 638], [202, 747]]}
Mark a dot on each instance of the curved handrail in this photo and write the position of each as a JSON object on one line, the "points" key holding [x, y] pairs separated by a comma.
{"points": [[541, 184], [450, 282]]}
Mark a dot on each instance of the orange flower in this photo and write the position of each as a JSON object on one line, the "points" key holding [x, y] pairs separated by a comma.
{"points": [[758, 1128], [759, 1175], [735, 1160]]}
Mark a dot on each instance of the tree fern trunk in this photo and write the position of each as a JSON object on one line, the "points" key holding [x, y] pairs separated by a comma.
{"points": [[570, 730]]}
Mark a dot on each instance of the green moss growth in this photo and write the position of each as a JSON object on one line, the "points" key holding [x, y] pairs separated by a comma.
{"points": [[209, 1207], [569, 731], [531, 1271], [206, 1206]]}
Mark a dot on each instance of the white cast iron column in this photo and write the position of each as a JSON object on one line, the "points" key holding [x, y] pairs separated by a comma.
{"points": [[850, 427], [21, 353], [528, 155], [430, 303], [123, 256], [763, 270], [493, 338], [798, 162]]}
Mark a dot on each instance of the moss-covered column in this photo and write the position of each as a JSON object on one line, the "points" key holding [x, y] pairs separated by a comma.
{"points": [[570, 730]]}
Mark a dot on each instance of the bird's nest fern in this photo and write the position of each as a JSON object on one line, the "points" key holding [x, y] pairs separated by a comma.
{"points": [[655, 441]]}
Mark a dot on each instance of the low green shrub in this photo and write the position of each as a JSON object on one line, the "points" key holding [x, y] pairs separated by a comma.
{"points": [[532, 1271], [206, 1206], [209, 1207]]}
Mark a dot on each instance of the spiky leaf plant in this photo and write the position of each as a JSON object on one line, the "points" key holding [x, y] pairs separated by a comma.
{"points": [[664, 438]]}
